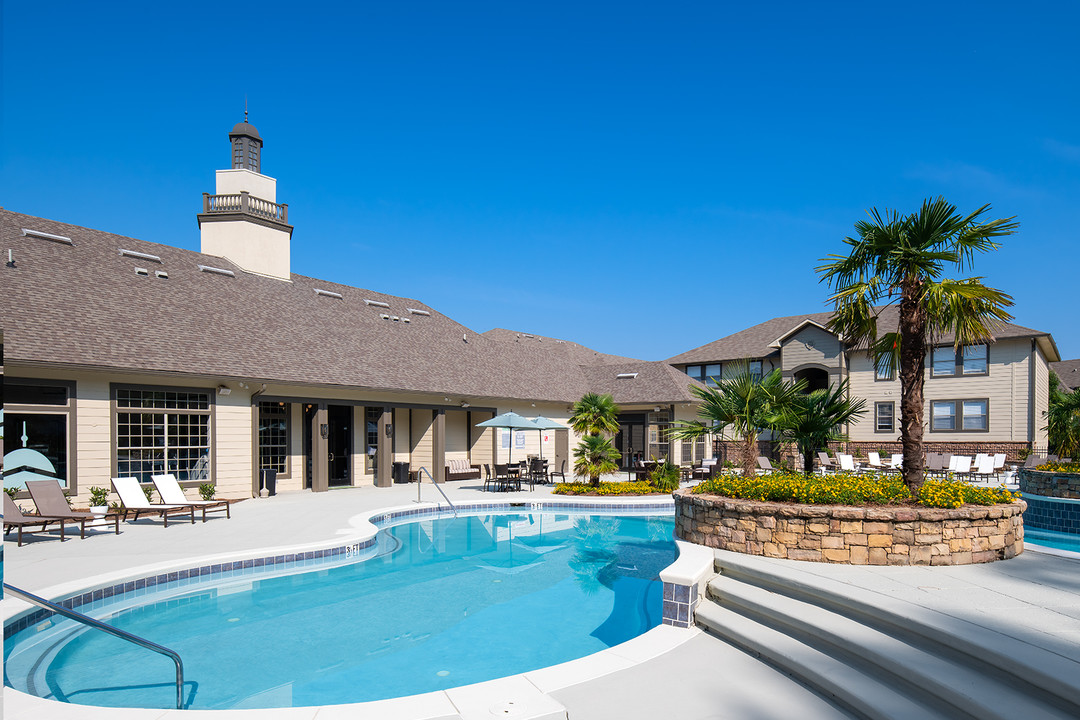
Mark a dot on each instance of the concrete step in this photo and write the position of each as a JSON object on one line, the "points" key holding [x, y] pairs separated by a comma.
{"points": [[862, 694], [1036, 671], [930, 676]]}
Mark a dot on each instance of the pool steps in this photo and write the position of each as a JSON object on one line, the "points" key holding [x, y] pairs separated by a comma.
{"points": [[882, 657]]}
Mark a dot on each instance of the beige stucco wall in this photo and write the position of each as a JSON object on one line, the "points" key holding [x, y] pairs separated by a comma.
{"points": [[255, 248], [232, 182]]}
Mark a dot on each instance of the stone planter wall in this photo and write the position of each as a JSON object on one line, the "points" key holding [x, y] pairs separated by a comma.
{"points": [[1049, 484], [854, 535]]}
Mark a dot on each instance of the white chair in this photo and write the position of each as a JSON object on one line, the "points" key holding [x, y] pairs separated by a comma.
{"points": [[963, 465], [874, 461], [984, 469], [896, 462], [171, 493], [847, 462], [134, 500], [999, 462]]}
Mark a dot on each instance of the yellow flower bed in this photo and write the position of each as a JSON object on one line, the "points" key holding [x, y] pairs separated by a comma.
{"points": [[606, 488], [850, 489], [1059, 467]]}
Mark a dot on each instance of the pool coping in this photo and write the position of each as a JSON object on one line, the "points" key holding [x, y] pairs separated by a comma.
{"points": [[682, 581]]}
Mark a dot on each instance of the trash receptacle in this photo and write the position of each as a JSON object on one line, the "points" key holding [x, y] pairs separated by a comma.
{"points": [[268, 481], [399, 471]]}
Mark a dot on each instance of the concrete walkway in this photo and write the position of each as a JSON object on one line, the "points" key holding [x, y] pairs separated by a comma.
{"points": [[688, 674]]}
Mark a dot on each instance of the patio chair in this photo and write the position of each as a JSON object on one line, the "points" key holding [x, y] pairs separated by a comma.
{"points": [[50, 501], [934, 465], [765, 466], [847, 462], [13, 518], [172, 494], [561, 472], [134, 500], [873, 459], [1033, 460], [896, 462], [984, 469], [962, 465], [489, 479], [705, 470], [827, 463], [999, 462]]}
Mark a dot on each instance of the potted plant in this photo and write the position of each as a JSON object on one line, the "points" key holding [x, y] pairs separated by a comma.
{"points": [[99, 500]]}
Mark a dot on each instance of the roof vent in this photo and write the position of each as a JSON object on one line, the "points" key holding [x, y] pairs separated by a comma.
{"points": [[47, 236], [395, 318], [162, 274], [216, 270], [142, 271], [405, 320], [626, 376], [139, 255], [414, 311], [376, 303], [384, 316], [328, 293]]}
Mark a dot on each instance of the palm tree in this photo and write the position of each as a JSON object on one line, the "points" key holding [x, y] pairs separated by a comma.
{"points": [[813, 420], [595, 414], [902, 259], [595, 456], [1063, 420], [745, 404]]}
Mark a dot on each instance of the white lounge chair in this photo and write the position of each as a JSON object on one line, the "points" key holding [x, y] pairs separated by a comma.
{"points": [[171, 493], [896, 462], [134, 500], [847, 462]]}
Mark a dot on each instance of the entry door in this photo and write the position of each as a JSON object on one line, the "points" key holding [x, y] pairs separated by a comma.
{"points": [[339, 445], [630, 441]]}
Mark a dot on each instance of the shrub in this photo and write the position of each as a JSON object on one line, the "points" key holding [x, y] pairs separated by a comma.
{"points": [[206, 491], [11, 492], [639, 487], [664, 477], [850, 489], [99, 496], [148, 491]]}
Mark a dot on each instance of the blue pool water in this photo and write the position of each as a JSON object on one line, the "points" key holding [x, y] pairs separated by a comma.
{"points": [[1050, 538], [447, 603]]}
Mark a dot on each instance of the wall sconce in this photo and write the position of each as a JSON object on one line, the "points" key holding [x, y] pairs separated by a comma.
{"points": [[324, 431], [389, 430], [224, 390]]}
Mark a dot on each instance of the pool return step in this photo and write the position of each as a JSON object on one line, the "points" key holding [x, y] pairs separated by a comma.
{"points": [[881, 657]]}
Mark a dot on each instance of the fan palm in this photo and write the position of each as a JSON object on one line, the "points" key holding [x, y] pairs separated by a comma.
{"points": [[813, 420], [1063, 422], [746, 405], [901, 260], [595, 414], [595, 456]]}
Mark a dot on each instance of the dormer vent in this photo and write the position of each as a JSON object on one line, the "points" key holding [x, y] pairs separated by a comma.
{"points": [[142, 271], [139, 255], [328, 293], [414, 311], [626, 376], [384, 316], [376, 303], [216, 270], [162, 274], [47, 236], [395, 318]]}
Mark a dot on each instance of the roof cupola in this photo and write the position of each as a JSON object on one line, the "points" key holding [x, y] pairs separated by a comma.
{"points": [[246, 146]]}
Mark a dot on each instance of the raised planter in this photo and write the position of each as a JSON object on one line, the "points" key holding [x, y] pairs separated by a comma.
{"points": [[1053, 500], [1049, 484], [878, 535]]}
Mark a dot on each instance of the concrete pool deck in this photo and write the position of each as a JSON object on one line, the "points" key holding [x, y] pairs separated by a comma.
{"points": [[1034, 597]]}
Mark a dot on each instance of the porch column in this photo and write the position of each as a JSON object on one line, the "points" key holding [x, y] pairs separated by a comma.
{"points": [[384, 450], [438, 446], [320, 465]]}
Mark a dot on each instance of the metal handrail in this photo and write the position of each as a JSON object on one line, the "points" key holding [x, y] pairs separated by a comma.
{"points": [[420, 480], [104, 627]]}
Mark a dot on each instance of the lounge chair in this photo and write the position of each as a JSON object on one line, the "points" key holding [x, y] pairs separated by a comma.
{"points": [[896, 462], [874, 461], [847, 462], [134, 500], [827, 463], [51, 502], [172, 494], [705, 470], [13, 518], [765, 466], [984, 469]]}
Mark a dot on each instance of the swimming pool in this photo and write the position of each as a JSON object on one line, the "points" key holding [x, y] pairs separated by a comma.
{"points": [[444, 602], [1052, 539]]}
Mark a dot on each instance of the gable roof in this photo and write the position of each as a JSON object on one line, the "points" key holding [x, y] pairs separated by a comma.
{"points": [[761, 340], [82, 305]]}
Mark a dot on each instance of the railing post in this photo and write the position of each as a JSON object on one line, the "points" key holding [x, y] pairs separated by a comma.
{"points": [[285, 213], [245, 201], [206, 202]]}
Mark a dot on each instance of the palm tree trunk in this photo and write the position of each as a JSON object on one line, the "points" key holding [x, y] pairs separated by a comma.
{"points": [[808, 462], [912, 331], [749, 454]]}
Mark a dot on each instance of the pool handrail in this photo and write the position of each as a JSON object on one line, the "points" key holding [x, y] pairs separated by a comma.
{"points": [[420, 481], [105, 627]]}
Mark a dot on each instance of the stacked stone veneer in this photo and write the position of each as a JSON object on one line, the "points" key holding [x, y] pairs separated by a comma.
{"points": [[855, 535], [1049, 484]]}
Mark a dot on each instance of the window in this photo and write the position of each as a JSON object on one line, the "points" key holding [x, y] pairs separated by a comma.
{"points": [[755, 369], [371, 429], [960, 415], [968, 360], [658, 446], [884, 412], [882, 371], [163, 431], [274, 436], [707, 374], [38, 419]]}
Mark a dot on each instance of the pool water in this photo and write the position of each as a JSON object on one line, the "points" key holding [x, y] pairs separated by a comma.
{"points": [[450, 602], [1053, 539]]}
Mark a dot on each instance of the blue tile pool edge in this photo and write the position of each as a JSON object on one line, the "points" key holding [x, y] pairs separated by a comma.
{"points": [[352, 549]]}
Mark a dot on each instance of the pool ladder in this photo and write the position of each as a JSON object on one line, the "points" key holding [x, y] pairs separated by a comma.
{"points": [[104, 627], [420, 481]]}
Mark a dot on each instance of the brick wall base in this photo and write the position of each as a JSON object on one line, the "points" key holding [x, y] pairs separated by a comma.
{"points": [[878, 535]]}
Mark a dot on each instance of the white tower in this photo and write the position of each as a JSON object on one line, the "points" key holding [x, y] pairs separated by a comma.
{"points": [[243, 221]]}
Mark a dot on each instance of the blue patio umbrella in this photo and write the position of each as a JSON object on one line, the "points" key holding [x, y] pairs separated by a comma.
{"points": [[511, 421]]}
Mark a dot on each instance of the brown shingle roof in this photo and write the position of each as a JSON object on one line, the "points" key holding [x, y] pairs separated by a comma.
{"points": [[653, 382], [1068, 371], [757, 341], [83, 305]]}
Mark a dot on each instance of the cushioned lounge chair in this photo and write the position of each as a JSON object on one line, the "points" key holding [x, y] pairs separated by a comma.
{"points": [[172, 494], [13, 518], [134, 500], [51, 502]]}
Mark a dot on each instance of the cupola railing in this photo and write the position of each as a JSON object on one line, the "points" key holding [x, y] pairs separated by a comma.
{"points": [[246, 204]]}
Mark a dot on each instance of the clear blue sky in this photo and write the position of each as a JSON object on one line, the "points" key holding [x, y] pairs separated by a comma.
{"points": [[642, 178]]}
